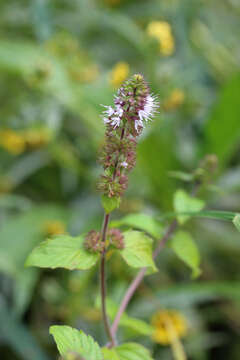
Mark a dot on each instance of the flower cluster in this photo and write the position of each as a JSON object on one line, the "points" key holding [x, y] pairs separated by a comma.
{"points": [[116, 238], [93, 240], [133, 107]]}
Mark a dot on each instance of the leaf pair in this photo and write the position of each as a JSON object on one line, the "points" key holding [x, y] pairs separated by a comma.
{"points": [[72, 341], [69, 252]]}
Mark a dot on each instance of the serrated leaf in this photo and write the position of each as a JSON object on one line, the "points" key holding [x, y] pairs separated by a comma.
{"points": [[110, 354], [142, 222], [62, 251], [236, 221], [129, 351], [138, 250], [73, 340], [110, 204], [185, 203], [186, 249]]}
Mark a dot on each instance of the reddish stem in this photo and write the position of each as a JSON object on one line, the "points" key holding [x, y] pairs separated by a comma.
{"points": [[103, 282], [138, 279], [102, 265]]}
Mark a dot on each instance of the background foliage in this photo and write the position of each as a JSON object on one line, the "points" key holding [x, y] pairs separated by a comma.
{"points": [[59, 60]]}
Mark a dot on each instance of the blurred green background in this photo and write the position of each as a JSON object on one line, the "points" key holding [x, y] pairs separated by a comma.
{"points": [[59, 60]]}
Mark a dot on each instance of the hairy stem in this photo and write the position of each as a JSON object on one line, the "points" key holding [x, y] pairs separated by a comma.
{"points": [[103, 281], [102, 265]]}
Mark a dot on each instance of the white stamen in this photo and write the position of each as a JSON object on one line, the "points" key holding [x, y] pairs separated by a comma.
{"points": [[149, 109], [124, 164], [113, 115], [138, 123]]}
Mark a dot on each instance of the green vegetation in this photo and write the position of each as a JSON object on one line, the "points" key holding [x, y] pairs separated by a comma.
{"points": [[59, 61]]}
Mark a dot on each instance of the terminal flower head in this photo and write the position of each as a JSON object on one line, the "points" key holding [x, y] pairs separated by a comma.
{"points": [[133, 107]]}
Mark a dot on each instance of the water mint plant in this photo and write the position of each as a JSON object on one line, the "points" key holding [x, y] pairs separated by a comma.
{"points": [[134, 106]]}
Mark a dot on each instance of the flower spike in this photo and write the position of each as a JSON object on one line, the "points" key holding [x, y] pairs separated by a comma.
{"points": [[133, 107]]}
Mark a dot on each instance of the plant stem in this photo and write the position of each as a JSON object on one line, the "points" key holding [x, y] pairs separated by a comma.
{"points": [[102, 264], [176, 345], [127, 297], [138, 279], [103, 282]]}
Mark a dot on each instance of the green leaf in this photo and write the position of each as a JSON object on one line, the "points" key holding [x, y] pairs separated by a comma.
{"points": [[110, 204], [142, 222], [129, 351], [207, 214], [193, 294], [222, 128], [186, 249], [184, 203], [138, 250], [110, 354], [136, 325], [236, 221], [62, 251], [72, 340]]}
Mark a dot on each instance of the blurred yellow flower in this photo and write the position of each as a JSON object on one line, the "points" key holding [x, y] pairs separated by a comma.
{"points": [[162, 31], [36, 138], [55, 227], [168, 324], [13, 142], [84, 74], [175, 99], [119, 73]]}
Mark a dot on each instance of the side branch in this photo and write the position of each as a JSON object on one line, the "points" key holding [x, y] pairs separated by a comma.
{"points": [[139, 277]]}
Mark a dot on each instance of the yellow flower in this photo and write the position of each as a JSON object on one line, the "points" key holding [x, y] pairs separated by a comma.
{"points": [[55, 227], [168, 324], [36, 138], [162, 31], [175, 99], [11, 141], [119, 73]]}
